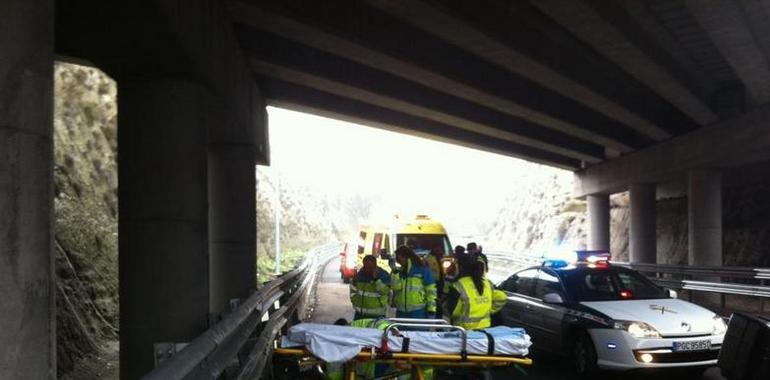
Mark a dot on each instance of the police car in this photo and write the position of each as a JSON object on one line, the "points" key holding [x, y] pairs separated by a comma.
{"points": [[608, 317]]}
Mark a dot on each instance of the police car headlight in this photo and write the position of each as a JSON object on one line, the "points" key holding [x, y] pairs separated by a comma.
{"points": [[637, 329], [719, 325]]}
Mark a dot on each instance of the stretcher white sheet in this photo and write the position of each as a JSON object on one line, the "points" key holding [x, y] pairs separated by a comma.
{"points": [[336, 344]]}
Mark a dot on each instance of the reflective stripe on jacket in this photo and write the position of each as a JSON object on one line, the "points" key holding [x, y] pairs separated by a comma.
{"points": [[369, 296], [473, 309], [414, 289]]}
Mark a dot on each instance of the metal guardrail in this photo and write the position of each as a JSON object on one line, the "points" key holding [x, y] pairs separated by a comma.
{"points": [[724, 281], [241, 343], [750, 281]]}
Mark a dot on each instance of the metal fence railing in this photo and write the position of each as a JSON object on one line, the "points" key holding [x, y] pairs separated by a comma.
{"points": [[744, 281], [241, 343]]}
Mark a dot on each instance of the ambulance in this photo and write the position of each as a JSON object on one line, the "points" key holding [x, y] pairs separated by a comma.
{"points": [[422, 234], [371, 240]]}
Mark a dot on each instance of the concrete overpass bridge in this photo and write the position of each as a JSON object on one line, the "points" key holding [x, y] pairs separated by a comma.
{"points": [[645, 96]]}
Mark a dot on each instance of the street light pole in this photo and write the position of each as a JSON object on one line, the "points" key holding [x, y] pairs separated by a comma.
{"points": [[277, 207]]}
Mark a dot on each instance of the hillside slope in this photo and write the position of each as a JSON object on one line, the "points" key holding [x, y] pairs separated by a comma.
{"points": [[557, 220], [85, 180]]}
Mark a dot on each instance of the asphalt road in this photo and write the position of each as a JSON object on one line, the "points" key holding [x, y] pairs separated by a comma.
{"points": [[332, 303], [332, 296]]}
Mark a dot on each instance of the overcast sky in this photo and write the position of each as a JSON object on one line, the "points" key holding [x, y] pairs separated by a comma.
{"points": [[463, 187]]}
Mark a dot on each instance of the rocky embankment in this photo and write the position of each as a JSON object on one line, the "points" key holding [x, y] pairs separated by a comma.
{"points": [[85, 141], [557, 220]]}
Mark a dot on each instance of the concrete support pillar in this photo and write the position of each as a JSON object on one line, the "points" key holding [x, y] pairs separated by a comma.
{"points": [[27, 308], [642, 234], [163, 228], [232, 223], [599, 222], [704, 204]]}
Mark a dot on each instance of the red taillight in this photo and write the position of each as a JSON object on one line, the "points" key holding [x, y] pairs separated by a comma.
{"points": [[350, 261], [626, 294]]}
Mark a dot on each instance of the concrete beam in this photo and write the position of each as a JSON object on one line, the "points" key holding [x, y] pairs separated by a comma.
{"points": [[163, 218], [479, 42], [699, 80], [599, 130], [305, 99], [27, 282], [707, 147], [507, 132], [726, 25], [290, 61], [587, 24]]}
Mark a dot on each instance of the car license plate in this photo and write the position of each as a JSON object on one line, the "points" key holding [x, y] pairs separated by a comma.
{"points": [[695, 345]]}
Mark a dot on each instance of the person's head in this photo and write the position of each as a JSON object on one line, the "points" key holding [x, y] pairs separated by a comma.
{"points": [[405, 254], [471, 267], [459, 250], [482, 258], [437, 251], [370, 264], [472, 247]]}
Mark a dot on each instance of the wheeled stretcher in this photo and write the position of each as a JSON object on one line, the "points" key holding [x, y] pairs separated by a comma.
{"points": [[407, 345]]}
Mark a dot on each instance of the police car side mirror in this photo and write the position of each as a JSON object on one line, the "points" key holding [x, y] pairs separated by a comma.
{"points": [[671, 293], [552, 298]]}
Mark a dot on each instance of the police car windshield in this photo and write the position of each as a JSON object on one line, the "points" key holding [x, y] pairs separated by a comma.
{"points": [[609, 284]]}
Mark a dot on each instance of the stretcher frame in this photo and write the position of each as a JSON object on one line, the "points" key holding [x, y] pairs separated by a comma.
{"points": [[413, 361]]}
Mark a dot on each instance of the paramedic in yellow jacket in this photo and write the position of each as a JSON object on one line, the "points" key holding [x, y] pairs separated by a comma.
{"points": [[414, 288], [472, 299], [370, 290]]}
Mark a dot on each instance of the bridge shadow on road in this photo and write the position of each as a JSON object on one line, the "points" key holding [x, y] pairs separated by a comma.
{"points": [[552, 367]]}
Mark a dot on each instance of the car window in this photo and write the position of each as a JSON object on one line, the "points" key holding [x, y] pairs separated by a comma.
{"points": [[522, 282], [609, 285], [547, 283], [639, 286]]}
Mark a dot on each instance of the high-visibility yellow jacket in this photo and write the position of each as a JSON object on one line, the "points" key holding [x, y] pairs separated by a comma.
{"points": [[414, 289], [471, 309], [368, 295]]}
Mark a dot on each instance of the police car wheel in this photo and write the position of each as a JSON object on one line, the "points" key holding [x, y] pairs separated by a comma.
{"points": [[584, 355]]}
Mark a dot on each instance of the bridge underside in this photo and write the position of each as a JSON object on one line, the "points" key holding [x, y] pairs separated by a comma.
{"points": [[628, 95]]}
